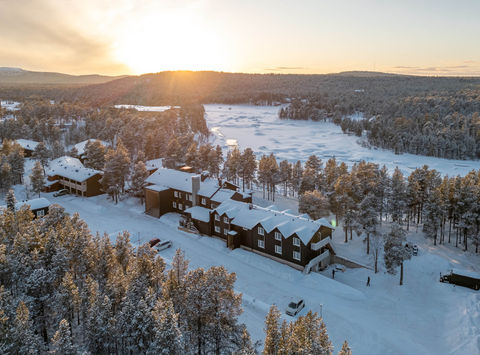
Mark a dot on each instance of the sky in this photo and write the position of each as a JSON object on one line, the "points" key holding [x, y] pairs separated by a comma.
{"points": [[114, 37]]}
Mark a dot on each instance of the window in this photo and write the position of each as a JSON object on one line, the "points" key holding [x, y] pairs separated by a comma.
{"points": [[217, 229], [260, 231], [180, 195], [225, 231], [189, 197], [204, 202], [278, 249], [296, 241], [296, 255], [40, 213], [175, 193], [261, 243], [174, 204], [217, 217], [180, 206], [278, 236], [225, 220]]}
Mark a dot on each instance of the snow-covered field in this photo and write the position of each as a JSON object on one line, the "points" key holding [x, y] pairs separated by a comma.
{"points": [[422, 317], [259, 128]]}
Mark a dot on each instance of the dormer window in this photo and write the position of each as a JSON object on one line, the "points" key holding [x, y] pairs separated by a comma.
{"points": [[278, 236], [175, 193], [204, 201], [296, 241], [217, 217], [225, 219], [261, 231]]}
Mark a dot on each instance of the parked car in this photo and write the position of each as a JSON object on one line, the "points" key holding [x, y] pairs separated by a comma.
{"points": [[153, 242], [295, 307], [61, 192], [415, 250], [163, 245], [462, 278]]}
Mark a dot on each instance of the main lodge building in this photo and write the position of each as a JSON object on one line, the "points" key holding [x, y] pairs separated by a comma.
{"points": [[217, 208]]}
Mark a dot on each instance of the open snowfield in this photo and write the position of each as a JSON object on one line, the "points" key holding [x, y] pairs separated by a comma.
{"points": [[422, 317], [259, 128]]}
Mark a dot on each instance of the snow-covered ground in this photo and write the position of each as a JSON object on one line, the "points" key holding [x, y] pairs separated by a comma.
{"points": [[259, 128], [422, 317], [10, 105], [146, 108]]}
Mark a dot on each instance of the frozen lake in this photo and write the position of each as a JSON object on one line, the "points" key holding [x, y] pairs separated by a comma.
{"points": [[259, 128]]}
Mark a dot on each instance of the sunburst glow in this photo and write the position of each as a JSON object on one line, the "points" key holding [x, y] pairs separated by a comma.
{"points": [[170, 42]]}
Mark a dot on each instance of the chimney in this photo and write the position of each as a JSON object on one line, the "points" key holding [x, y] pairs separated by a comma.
{"points": [[195, 188]]}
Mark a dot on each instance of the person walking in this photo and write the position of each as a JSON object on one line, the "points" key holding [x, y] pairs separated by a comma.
{"points": [[333, 274], [368, 281]]}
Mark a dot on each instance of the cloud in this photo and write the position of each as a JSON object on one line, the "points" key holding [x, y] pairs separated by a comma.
{"points": [[42, 36], [284, 68]]}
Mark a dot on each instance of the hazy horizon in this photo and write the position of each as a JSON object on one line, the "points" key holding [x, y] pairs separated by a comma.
{"points": [[126, 37]]}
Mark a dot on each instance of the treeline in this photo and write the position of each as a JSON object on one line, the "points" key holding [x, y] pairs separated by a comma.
{"points": [[366, 194], [64, 291], [444, 124]]}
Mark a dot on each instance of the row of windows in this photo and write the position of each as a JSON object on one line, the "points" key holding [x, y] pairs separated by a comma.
{"points": [[178, 194], [179, 206], [278, 236], [278, 250], [225, 219], [219, 230]]}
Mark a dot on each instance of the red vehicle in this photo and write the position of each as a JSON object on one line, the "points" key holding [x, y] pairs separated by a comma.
{"points": [[153, 242]]}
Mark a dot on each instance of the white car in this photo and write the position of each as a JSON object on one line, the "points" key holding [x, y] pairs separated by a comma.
{"points": [[295, 307], [164, 244]]}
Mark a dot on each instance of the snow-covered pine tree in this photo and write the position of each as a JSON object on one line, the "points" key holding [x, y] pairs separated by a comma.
{"points": [[395, 253], [37, 178], [17, 162], [27, 341], [246, 347], [42, 154], [297, 174], [248, 167], [314, 203], [95, 155], [397, 196], [168, 338], [285, 175], [5, 175], [433, 215], [140, 174], [58, 149], [367, 216], [10, 200], [62, 340], [272, 331], [345, 349]]}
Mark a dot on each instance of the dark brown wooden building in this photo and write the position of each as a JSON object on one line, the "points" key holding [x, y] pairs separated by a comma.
{"points": [[171, 190], [293, 239], [38, 206], [69, 173]]}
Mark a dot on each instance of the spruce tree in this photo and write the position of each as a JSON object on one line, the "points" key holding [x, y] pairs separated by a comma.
{"points": [[37, 178], [94, 155], [168, 337], [10, 200], [395, 252], [140, 174], [42, 154], [314, 203], [345, 349]]}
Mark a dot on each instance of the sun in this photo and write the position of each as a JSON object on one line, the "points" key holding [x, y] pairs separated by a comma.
{"points": [[170, 42]]}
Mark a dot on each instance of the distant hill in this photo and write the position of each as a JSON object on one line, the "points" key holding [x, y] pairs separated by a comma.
{"points": [[17, 76]]}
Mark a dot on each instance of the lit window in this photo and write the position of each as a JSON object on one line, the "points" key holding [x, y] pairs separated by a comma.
{"points": [[217, 217], [296, 255], [217, 229], [260, 231], [296, 241], [225, 219], [174, 204], [278, 249], [204, 202], [261, 243], [278, 236]]}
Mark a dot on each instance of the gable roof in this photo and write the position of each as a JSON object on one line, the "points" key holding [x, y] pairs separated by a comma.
{"points": [[35, 204], [80, 147], [182, 181], [288, 224], [27, 144], [71, 168]]}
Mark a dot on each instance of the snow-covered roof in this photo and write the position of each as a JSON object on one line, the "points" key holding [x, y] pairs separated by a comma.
{"points": [[222, 195], [154, 163], [199, 213], [27, 144], [35, 204], [288, 224], [80, 147], [182, 181], [157, 188], [71, 168]]}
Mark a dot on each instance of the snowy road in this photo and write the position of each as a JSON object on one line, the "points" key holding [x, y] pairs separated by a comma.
{"points": [[421, 317]]}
